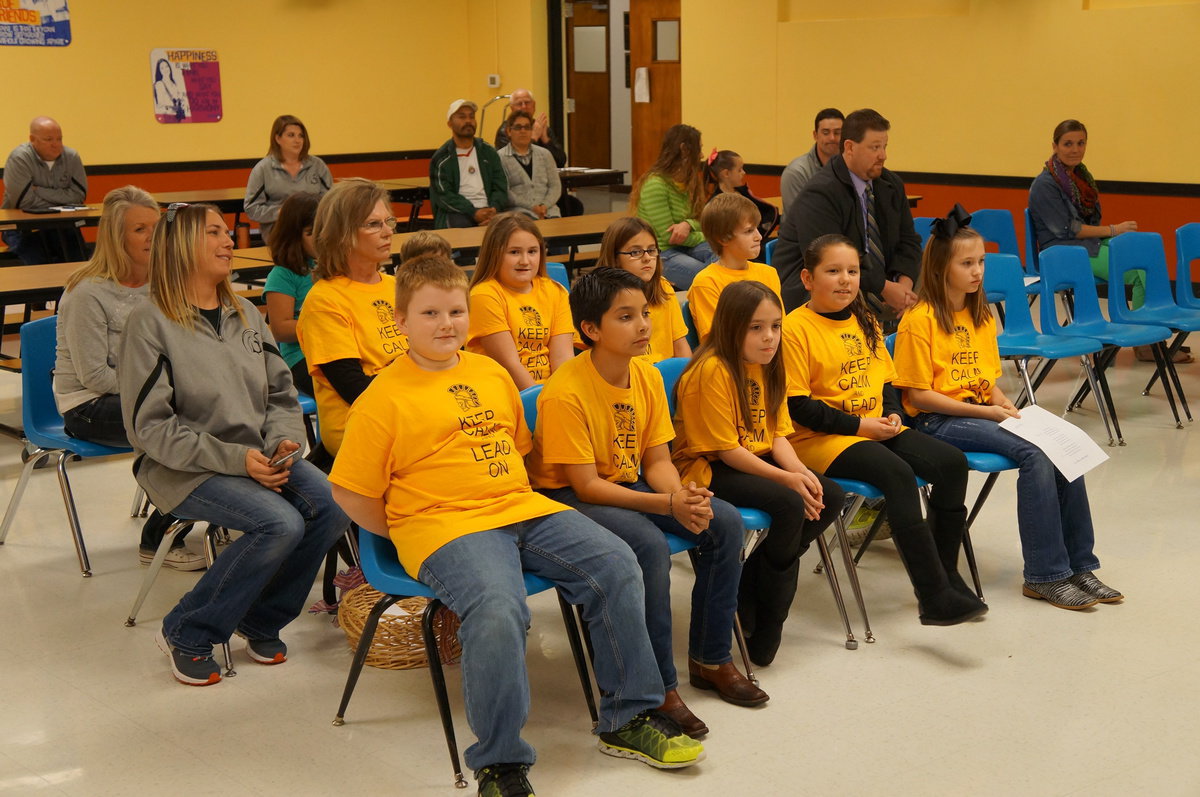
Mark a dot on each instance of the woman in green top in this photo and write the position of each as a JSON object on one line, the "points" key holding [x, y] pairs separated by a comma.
{"points": [[670, 196], [289, 282]]}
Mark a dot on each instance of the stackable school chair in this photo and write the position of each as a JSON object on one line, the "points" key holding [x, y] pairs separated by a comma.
{"points": [[1020, 340], [1066, 268], [924, 226], [769, 250], [758, 523], [1032, 254], [44, 433], [1187, 249], [693, 336], [1143, 251], [383, 571], [558, 273], [996, 226]]}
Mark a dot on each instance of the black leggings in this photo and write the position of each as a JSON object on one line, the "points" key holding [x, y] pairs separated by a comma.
{"points": [[892, 465]]}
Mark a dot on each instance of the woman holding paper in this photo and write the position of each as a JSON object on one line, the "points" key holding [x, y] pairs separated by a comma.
{"points": [[948, 363]]}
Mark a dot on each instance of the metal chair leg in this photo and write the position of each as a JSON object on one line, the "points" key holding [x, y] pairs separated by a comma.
{"points": [[1168, 366], [1176, 345], [439, 688], [839, 526], [155, 566], [871, 535], [139, 499], [834, 587], [211, 536], [64, 484], [740, 638], [1106, 393], [849, 511], [35, 457], [360, 654], [577, 652]]}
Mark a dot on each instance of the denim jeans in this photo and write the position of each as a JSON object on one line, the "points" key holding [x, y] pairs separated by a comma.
{"points": [[479, 577], [718, 571], [1053, 516], [681, 264], [260, 582], [98, 421]]}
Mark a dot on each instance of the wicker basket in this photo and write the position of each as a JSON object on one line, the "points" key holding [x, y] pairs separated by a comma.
{"points": [[398, 643]]}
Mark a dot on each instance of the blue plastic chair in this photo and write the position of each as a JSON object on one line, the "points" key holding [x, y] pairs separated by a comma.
{"points": [[1066, 268], [996, 225], [1020, 340], [757, 525], [769, 250], [1032, 253], [558, 273], [693, 336], [312, 429], [1187, 249], [923, 225], [44, 433]]}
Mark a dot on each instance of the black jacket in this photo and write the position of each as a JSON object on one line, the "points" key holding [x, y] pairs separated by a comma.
{"points": [[829, 204]]}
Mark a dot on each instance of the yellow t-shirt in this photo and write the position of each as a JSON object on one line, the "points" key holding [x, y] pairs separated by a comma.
{"points": [[444, 449], [707, 418], [531, 318], [666, 327], [963, 366], [829, 361], [344, 319], [712, 279], [582, 418]]}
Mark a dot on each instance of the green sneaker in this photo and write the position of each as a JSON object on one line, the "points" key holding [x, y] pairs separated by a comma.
{"points": [[654, 738], [504, 780]]}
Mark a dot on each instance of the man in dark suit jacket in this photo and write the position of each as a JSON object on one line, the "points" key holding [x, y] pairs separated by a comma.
{"points": [[835, 200]]}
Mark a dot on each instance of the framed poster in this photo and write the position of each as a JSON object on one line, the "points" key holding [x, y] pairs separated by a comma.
{"points": [[35, 23], [187, 85]]}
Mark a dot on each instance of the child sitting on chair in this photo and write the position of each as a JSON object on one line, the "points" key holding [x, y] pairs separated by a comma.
{"points": [[433, 458]]}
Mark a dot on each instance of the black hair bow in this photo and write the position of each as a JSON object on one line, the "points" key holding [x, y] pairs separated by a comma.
{"points": [[955, 220]]}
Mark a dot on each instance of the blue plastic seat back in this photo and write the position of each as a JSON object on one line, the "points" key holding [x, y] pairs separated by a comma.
{"points": [[1067, 268], [558, 273], [529, 397], [693, 337], [1187, 249], [923, 225], [1032, 256], [996, 225], [1139, 251], [671, 369], [769, 250], [308, 404], [1003, 278]]}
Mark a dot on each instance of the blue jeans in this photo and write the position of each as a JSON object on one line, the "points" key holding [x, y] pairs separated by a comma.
{"points": [[1053, 516], [718, 571], [479, 577], [681, 264], [260, 582]]}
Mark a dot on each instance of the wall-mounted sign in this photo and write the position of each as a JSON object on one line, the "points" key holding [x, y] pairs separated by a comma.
{"points": [[35, 23], [187, 85]]}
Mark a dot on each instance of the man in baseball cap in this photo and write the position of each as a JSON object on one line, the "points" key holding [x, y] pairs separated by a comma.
{"points": [[467, 186]]}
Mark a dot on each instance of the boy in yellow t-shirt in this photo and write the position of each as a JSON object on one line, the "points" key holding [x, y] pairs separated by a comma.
{"points": [[433, 459], [730, 225], [601, 447]]}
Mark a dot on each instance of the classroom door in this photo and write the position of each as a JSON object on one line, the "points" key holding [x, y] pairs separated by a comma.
{"points": [[588, 85], [653, 47]]}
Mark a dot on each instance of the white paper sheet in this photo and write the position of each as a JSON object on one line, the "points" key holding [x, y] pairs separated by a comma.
{"points": [[1067, 446]]}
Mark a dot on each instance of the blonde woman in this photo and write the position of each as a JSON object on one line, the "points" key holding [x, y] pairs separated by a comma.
{"points": [[347, 328], [211, 412]]}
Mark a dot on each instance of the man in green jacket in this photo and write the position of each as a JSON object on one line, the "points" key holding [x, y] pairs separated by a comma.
{"points": [[467, 185]]}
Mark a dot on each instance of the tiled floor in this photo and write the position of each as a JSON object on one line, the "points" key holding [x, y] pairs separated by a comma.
{"points": [[1030, 700]]}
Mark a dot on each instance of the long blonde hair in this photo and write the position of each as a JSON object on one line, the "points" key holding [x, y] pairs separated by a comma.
{"points": [[110, 261], [174, 252]]}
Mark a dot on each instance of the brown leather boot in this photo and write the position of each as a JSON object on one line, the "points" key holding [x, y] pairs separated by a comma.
{"points": [[674, 707], [727, 681]]}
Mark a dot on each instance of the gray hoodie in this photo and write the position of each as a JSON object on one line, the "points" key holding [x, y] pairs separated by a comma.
{"points": [[270, 184], [194, 402]]}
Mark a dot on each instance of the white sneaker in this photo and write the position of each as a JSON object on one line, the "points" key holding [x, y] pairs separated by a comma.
{"points": [[857, 529], [179, 558]]}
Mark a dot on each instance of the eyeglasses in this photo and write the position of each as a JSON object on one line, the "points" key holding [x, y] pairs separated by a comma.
{"points": [[638, 254], [173, 208], [376, 225], [520, 127]]}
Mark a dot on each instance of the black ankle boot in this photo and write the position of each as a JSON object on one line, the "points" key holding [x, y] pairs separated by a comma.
{"points": [[938, 601], [775, 589], [947, 529], [950, 607]]}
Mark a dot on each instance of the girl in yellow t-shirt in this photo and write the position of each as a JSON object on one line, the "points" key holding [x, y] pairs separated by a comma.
{"points": [[849, 425], [519, 317], [629, 244], [947, 362], [731, 427]]}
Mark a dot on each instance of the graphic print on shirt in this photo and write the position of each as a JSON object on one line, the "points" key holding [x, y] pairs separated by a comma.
{"points": [[492, 450], [854, 380], [394, 341], [964, 366], [625, 459], [758, 416], [252, 341], [534, 335]]}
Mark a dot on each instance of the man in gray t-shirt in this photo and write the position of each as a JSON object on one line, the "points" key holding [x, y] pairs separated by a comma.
{"points": [[827, 135]]}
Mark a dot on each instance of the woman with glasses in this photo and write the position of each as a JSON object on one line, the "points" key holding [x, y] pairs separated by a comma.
{"points": [[211, 413], [533, 184], [347, 327]]}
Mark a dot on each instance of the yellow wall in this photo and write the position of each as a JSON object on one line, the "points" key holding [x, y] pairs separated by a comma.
{"points": [[364, 75], [975, 87]]}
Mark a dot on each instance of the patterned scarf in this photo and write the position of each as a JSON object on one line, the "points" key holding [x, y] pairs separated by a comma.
{"points": [[1078, 187]]}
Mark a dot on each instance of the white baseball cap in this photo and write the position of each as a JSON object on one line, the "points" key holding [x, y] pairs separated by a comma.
{"points": [[454, 106]]}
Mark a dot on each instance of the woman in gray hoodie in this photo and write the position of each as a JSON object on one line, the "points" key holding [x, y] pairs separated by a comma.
{"points": [[287, 169], [212, 415]]}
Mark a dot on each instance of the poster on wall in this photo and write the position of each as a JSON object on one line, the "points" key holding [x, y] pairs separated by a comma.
{"points": [[35, 23], [187, 85]]}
